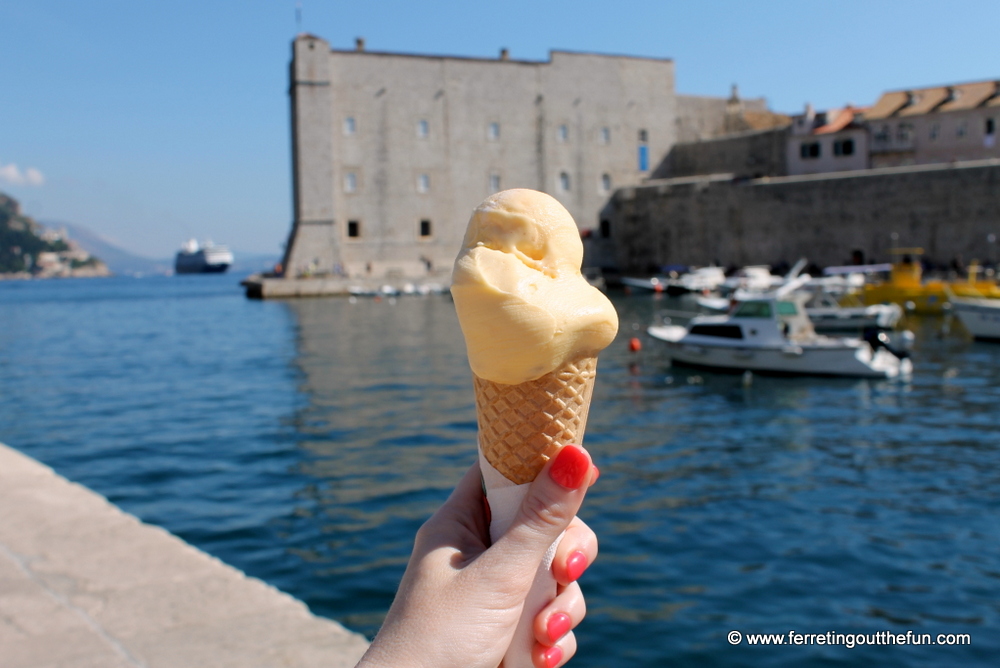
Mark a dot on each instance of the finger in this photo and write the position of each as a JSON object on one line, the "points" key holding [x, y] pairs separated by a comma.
{"points": [[464, 507], [576, 551], [560, 616], [552, 501], [556, 655]]}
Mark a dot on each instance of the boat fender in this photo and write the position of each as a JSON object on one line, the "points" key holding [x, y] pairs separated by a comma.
{"points": [[879, 339], [634, 344]]}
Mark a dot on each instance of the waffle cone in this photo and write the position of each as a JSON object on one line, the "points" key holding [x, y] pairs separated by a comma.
{"points": [[522, 426]]}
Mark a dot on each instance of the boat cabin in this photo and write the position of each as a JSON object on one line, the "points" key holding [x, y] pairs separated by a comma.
{"points": [[759, 318]]}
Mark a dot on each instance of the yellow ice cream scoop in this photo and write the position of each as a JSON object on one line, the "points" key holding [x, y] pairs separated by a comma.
{"points": [[524, 307]]}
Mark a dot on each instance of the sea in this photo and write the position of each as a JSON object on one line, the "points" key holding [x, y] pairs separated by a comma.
{"points": [[305, 441]]}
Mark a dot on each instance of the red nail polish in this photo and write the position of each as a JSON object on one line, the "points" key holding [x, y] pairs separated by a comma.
{"points": [[558, 626], [576, 565], [553, 655], [570, 467]]}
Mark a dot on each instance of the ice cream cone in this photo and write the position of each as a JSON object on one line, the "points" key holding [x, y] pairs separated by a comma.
{"points": [[521, 426]]}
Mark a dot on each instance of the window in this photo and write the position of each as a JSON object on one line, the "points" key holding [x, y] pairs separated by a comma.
{"points": [[787, 308], [563, 133], [605, 228], [353, 229], [350, 127], [425, 228], [991, 126], [423, 129], [904, 132], [605, 135], [423, 183], [935, 131], [564, 182], [753, 310], [809, 150], [962, 129], [494, 183], [843, 147], [643, 136], [350, 182], [721, 331], [605, 183], [493, 131]]}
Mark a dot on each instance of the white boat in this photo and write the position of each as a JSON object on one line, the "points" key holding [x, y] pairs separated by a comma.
{"points": [[980, 316], [700, 279], [828, 314], [772, 334], [207, 258]]}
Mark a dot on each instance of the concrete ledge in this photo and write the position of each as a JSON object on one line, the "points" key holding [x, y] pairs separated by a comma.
{"points": [[264, 287], [83, 584]]}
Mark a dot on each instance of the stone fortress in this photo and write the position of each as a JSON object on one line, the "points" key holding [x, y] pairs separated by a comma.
{"points": [[392, 151]]}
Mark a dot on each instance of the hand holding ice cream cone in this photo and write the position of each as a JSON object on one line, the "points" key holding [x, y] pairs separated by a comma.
{"points": [[533, 328]]}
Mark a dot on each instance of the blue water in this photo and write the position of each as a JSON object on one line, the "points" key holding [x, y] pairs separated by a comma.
{"points": [[305, 441]]}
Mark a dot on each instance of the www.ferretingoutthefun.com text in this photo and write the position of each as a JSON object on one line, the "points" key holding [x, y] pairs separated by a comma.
{"points": [[849, 640]]}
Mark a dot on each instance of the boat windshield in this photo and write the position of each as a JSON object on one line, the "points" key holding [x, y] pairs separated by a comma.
{"points": [[753, 310], [787, 308]]}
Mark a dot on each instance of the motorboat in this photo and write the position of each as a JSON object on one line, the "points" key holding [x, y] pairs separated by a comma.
{"points": [[828, 312], [206, 258], [698, 280], [847, 314], [979, 315], [773, 334]]}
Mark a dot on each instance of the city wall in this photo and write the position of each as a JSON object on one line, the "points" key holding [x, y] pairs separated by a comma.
{"points": [[949, 210], [750, 154]]}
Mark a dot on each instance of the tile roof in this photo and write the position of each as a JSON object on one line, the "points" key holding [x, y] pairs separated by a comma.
{"points": [[843, 118], [924, 101], [936, 98], [969, 96], [888, 104]]}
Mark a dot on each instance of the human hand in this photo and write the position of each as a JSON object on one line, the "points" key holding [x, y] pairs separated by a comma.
{"points": [[460, 598]]}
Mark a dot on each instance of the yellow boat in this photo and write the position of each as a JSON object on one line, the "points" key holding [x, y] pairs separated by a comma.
{"points": [[907, 288]]}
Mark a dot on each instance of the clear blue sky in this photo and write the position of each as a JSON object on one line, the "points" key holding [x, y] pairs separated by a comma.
{"points": [[152, 121]]}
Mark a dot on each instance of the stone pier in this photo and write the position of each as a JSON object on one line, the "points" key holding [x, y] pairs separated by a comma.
{"points": [[85, 585]]}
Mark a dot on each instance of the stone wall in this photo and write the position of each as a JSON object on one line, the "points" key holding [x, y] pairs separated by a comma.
{"points": [[744, 155], [947, 210], [704, 117], [391, 152]]}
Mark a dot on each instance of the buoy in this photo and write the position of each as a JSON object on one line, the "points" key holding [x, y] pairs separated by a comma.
{"points": [[634, 344]]}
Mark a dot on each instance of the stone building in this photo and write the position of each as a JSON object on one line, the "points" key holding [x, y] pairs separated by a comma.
{"points": [[391, 152], [830, 141], [935, 125]]}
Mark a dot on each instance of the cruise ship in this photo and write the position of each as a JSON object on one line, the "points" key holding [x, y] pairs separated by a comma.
{"points": [[207, 258]]}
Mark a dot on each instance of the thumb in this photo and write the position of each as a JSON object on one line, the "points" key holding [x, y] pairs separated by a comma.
{"points": [[551, 503]]}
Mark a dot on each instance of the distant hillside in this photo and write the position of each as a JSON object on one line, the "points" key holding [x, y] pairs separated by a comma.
{"points": [[122, 262], [119, 261], [28, 250]]}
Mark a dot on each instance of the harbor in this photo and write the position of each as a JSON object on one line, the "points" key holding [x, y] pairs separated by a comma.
{"points": [[305, 441]]}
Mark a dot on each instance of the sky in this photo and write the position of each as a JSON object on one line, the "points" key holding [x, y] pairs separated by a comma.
{"points": [[150, 122]]}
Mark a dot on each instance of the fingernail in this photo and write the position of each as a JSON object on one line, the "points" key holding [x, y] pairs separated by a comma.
{"points": [[553, 655], [558, 626], [597, 474], [570, 467], [576, 565]]}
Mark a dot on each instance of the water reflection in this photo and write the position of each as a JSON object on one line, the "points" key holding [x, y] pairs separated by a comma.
{"points": [[390, 425]]}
